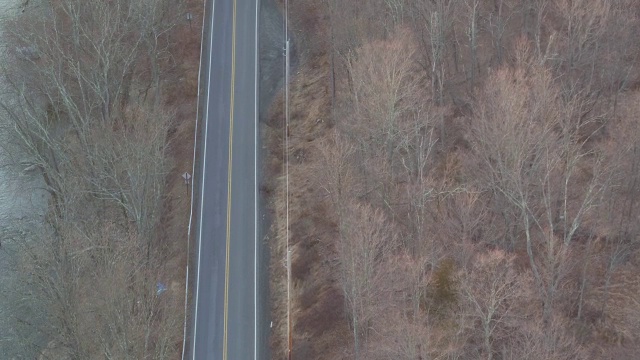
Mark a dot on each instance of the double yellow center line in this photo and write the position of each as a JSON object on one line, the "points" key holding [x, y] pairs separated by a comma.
{"points": [[226, 279]]}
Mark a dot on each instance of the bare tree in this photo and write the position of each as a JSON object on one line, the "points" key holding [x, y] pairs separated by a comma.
{"points": [[416, 150], [433, 24], [472, 14], [533, 13], [531, 147], [536, 341], [101, 295], [383, 105], [402, 328], [491, 289], [383, 89], [131, 166], [541, 173], [586, 22], [397, 10], [76, 109], [366, 241], [155, 20], [350, 25], [617, 58], [87, 64], [497, 23], [620, 230], [335, 172]]}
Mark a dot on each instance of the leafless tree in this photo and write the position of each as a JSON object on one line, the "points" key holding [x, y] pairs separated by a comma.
{"points": [[131, 166], [73, 105], [543, 173], [472, 14], [76, 109], [534, 13], [383, 109], [531, 147], [366, 241], [397, 10], [491, 289], [335, 172], [586, 22], [101, 295], [401, 330], [155, 20], [433, 23], [536, 341], [383, 87], [620, 230], [350, 25], [498, 21]]}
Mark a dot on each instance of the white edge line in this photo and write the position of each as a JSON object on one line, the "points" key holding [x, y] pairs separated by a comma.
{"points": [[193, 169], [204, 166], [255, 160]]}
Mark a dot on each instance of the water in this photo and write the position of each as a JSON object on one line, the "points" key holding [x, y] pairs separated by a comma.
{"points": [[22, 205]]}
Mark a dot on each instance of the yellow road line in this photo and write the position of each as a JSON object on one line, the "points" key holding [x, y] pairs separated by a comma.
{"points": [[226, 279]]}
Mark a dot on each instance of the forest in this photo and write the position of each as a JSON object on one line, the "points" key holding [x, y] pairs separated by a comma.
{"points": [[96, 103], [463, 181]]}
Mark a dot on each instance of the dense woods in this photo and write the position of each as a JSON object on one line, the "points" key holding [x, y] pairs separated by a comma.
{"points": [[91, 105], [464, 180]]}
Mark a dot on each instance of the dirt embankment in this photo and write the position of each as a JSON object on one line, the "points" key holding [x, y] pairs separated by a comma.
{"points": [[317, 303], [183, 98]]}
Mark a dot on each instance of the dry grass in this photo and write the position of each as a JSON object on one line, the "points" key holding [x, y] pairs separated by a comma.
{"points": [[182, 97], [319, 329], [318, 318]]}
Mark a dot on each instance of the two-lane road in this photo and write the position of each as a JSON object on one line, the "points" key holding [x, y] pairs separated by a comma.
{"points": [[225, 302]]}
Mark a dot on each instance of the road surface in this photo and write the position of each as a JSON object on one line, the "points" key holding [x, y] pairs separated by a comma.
{"points": [[225, 302]]}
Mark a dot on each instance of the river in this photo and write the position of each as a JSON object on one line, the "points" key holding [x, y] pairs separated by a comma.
{"points": [[22, 205]]}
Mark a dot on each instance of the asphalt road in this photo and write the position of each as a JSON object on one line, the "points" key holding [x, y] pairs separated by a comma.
{"points": [[225, 299]]}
